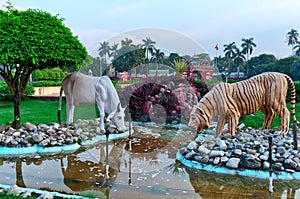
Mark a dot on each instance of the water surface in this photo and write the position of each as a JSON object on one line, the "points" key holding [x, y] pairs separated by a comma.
{"points": [[144, 166]]}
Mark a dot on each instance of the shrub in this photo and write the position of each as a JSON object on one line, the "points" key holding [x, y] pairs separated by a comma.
{"points": [[7, 94], [55, 74], [45, 83]]}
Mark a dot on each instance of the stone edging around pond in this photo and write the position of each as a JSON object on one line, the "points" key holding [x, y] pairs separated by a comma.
{"points": [[15, 190], [243, 172], [10, 152], [246, 154]]}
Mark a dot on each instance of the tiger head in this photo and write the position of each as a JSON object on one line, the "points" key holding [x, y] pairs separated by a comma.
{"points": [[198, 119]]}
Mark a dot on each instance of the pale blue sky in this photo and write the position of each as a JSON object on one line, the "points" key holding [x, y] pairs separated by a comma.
{"points": [[205, 22]]}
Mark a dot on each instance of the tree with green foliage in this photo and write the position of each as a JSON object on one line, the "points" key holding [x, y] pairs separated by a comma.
{"points": [[30, 40], [126, 42], [114, 50], [260, 64], [292, 38], [148, 46], [297, 49], [158, 58], [247, 48], [229, 50], [104, 50], [238, 60]]}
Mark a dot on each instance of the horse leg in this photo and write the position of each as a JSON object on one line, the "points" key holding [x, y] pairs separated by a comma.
{"points": [[102, 115], [72, 113], [69, 114]]}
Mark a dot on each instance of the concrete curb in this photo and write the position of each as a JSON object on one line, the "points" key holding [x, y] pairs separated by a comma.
{"points": [[244, 172]]}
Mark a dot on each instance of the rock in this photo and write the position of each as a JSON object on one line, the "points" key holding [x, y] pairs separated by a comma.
{"points": [[16, 133], [290, 170], [190, 155], [198, 158], [43, 126], [216, 160], [46, 196], [264, 157], [233, 163], [237, 152], [250, 163], [9, 132], [203, 150], [13, 190], [182, 150], [281, 150], [29, 127], [14, 142], [205, 159], [51, 131], [200, 140], [224, 159], [277, 166], [266, 165], [8, 139], [290, 164], [192, 145], [37, 138], [222, 145], [215, 153]]}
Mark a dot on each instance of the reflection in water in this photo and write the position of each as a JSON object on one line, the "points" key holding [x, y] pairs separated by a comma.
{"points": [[146, 167], [212, 185]]}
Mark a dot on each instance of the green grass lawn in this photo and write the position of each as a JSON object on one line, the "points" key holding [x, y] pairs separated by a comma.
{"points": [[256, 121], [38, 111]]}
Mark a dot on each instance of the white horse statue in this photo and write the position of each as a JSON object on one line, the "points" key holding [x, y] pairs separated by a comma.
{"points": [[80, 88]]}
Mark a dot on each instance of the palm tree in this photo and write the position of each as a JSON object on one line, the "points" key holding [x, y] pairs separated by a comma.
{"points": [[248, 46], [114, 49], [238, 60], [229, 50], [292, 38], [126, 42], [148, 46], [104, 50], [157, 57], [297, 49]]}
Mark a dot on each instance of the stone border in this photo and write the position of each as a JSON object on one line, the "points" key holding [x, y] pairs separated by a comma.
{"points": [[242, 172], [11, 152], [41, 192]]}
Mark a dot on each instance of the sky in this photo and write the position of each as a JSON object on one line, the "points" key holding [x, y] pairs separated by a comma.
{"points": [[186, 27]]}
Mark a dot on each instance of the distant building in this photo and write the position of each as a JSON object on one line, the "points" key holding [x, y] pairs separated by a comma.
{"points": [[159, 72], [200, 69]]}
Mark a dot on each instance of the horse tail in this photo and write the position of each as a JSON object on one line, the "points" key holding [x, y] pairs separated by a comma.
{"points": [[59, 105], [60, 97]]}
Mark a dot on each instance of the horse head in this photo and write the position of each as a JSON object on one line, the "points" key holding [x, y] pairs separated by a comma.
{"points": [[117, 118]]}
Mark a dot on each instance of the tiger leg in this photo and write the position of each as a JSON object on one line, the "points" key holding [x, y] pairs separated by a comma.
{"points": [[220, 125], [233, 120], [269, 116], [284, 115]]}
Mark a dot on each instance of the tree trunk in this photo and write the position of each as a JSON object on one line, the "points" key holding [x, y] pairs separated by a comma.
{"points": [[17, 101], [19, 174]]}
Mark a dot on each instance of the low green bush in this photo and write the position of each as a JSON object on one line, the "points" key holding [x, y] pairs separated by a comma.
{"points": [[5, 92], [55, 74], [45, 83]]}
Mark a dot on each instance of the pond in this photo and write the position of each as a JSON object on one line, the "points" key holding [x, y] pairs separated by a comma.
{"points": [[143, 166]]}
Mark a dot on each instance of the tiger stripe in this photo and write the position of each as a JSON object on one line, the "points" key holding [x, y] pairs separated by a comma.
{"points": [[266, 92]]}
